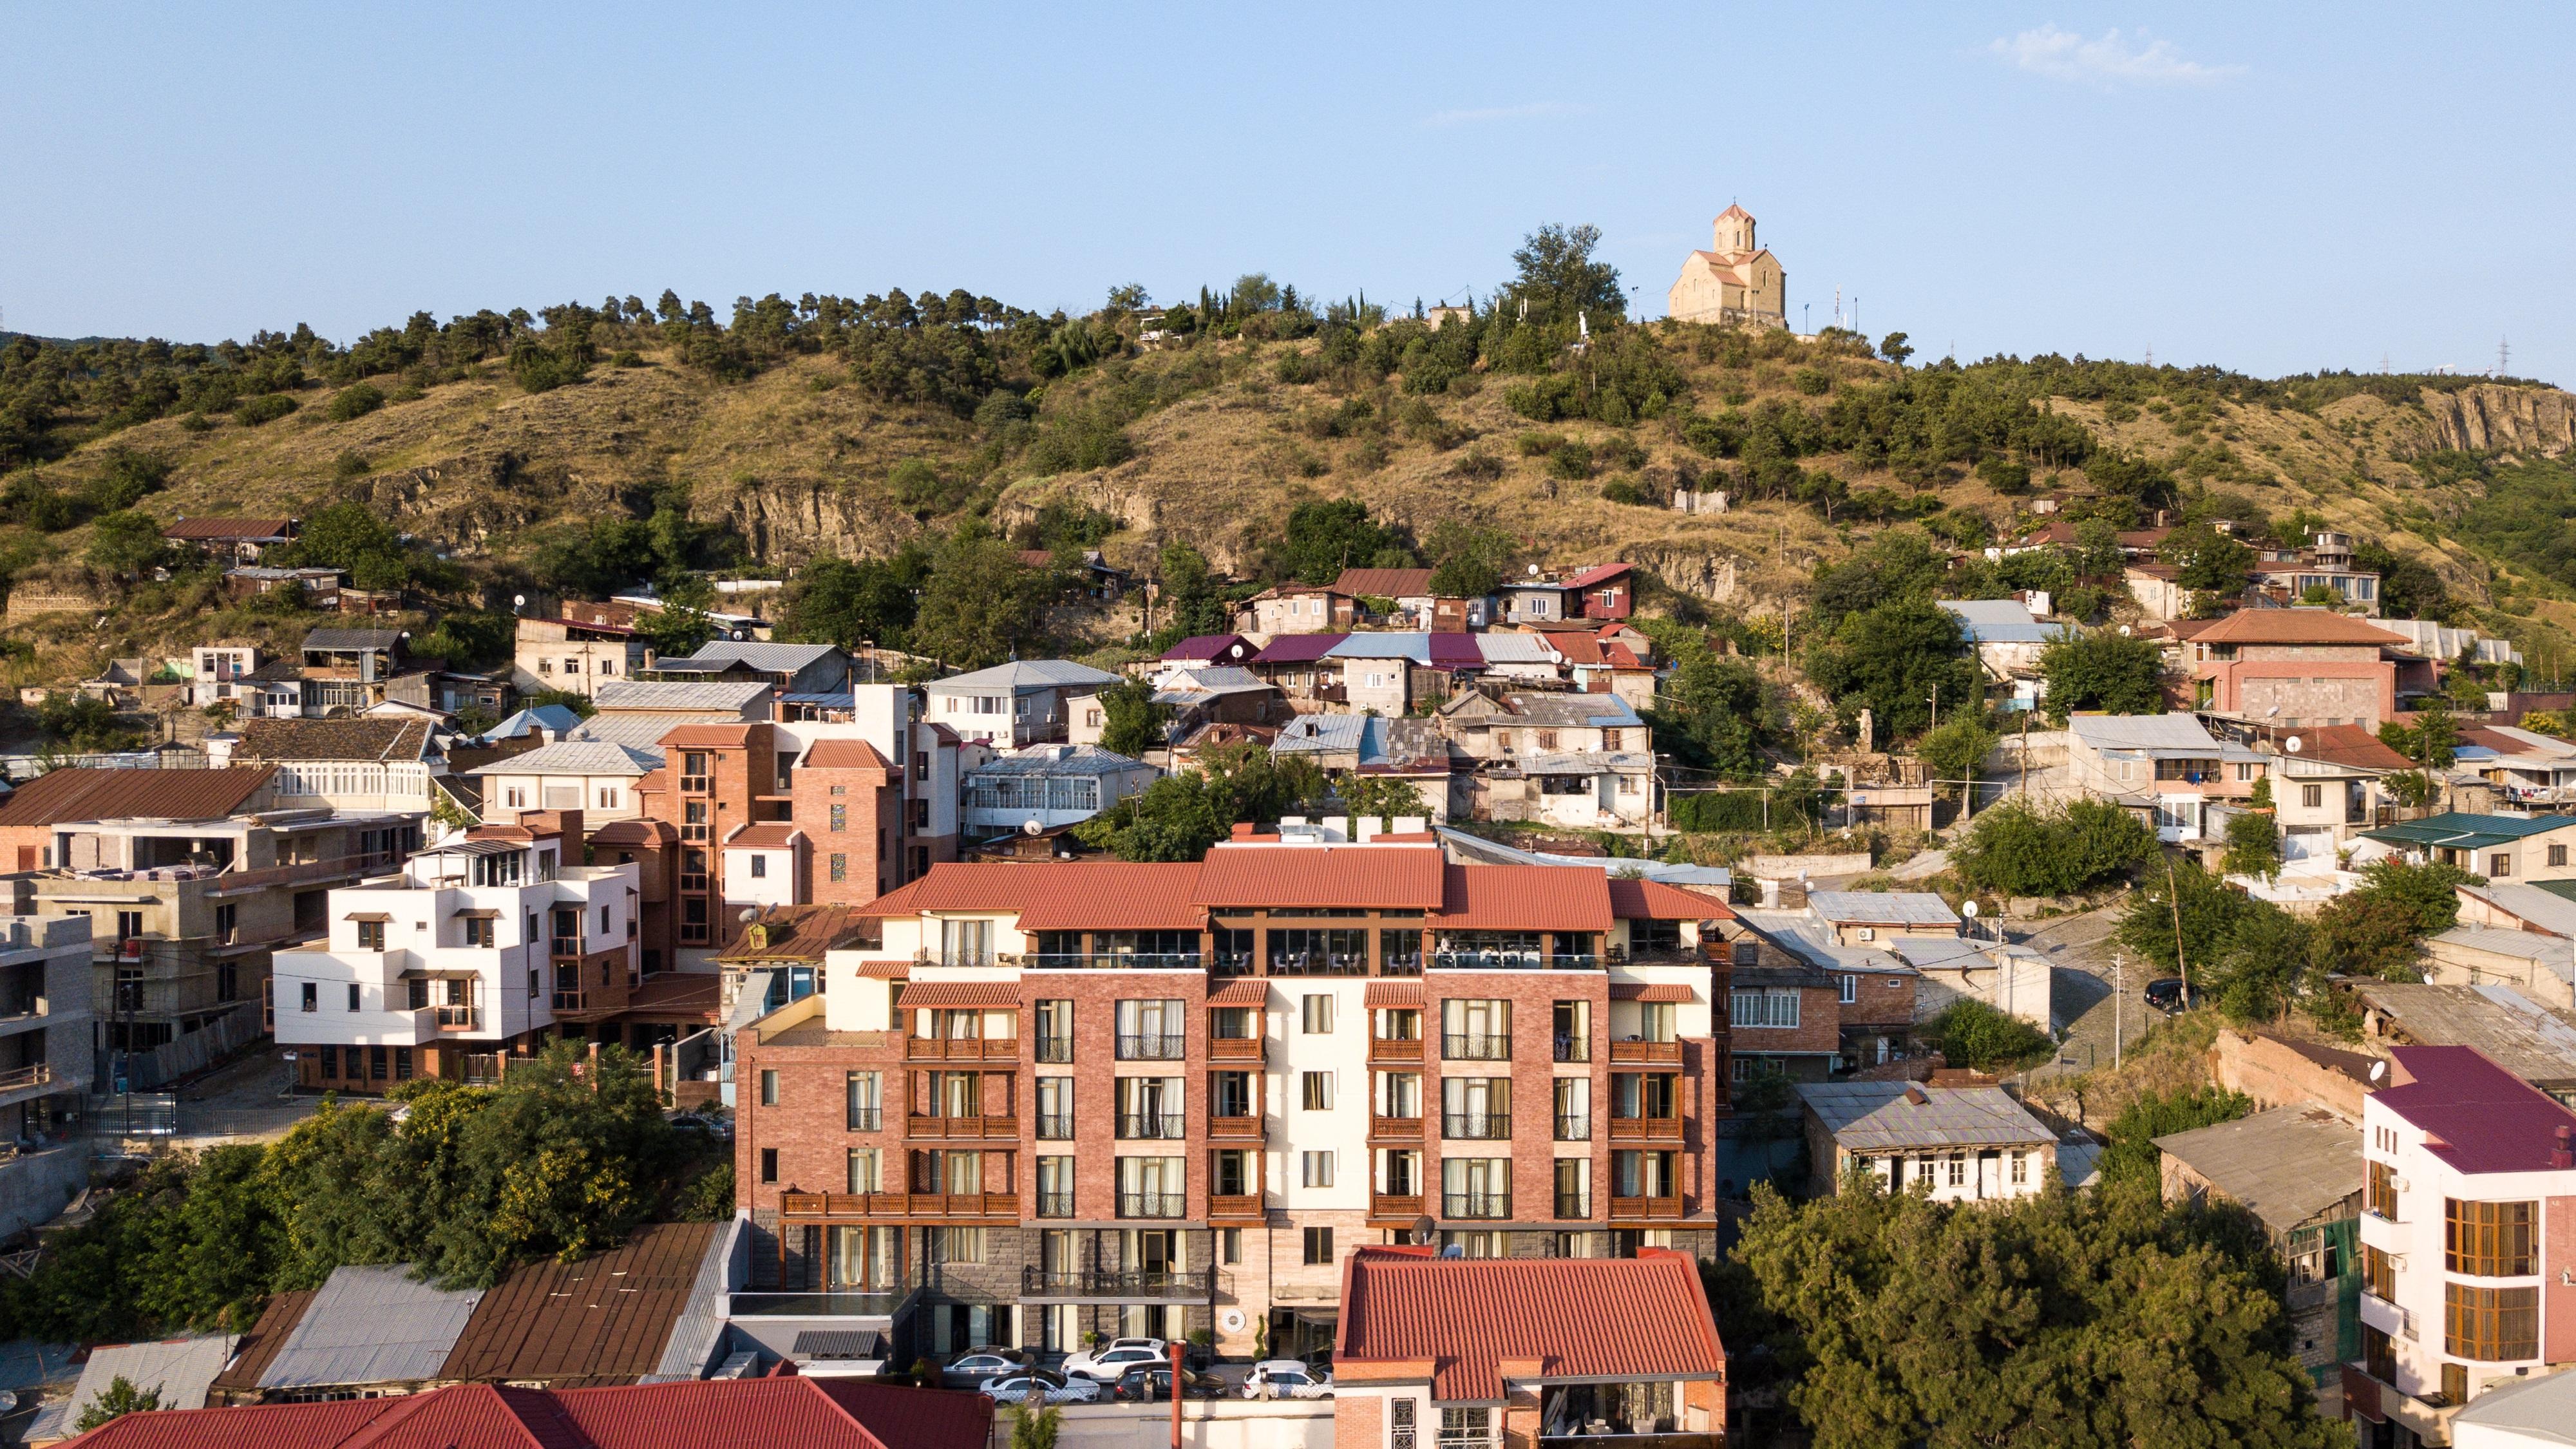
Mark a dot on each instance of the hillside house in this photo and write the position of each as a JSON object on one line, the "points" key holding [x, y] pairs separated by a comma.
{"points": [[2166, 767], [241, 540], [1969, 1144], [1297, 609], [2294, 667], [1416, 606], [1024, 702], [2298, 1169]]}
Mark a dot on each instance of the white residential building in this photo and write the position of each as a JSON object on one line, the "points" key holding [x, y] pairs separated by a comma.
{"points": [[2469, 1177], [472, 950], [593, 777], [1052, 785], [1010, 705]]}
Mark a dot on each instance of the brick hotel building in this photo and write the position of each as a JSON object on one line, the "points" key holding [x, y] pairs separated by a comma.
{"points": [[1072, 1097]]}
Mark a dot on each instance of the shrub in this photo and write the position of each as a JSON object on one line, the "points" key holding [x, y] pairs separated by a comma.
{"points": [[1571, 461], [2018, 850], [1969, 1033], [627, 358], [1480, 466], [350, 464], [1813, 381], [1625, 490], [355, 401], [266, 408]]}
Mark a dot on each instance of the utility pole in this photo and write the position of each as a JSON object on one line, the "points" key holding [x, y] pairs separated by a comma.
{"points": [[2119, 988], [2173, 898], [1936, 707]]}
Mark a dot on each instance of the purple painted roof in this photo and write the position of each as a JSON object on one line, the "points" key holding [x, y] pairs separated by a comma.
{"points": [[1202, 646], [1456, 651], [1297, 648]]}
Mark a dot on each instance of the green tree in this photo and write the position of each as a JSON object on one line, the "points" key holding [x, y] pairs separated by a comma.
{"points": [[1969, 1033], [1895, 659], [1383, 796], [2264, 963], [1956, 749], [855, 604], [1467, 562], [1191, 600], [2097, 549], [2017, 849], [1894, 348], [981, 604], [1711, 712], [84, 722], [1035, 1426], [2099, 1318], [118, 1399], [1323, 538], [2211, 562], [1134, 723], [2189, 904], [127, 545], [2432, 742], [2102, 671], [1180, 816], [1556, 274], [2253, 845], [2132, 1157]]}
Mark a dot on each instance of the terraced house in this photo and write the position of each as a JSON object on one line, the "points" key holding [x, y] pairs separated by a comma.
{"points": [[1072, 1097]]}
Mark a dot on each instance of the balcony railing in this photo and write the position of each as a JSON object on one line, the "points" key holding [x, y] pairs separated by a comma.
{"points": [[1573, 1126], [1151, 1126], [1112, 960], [1395, 1204], [1395, 1048], [30, 1076], [1318, 963], [1475, 1205], [1407, 1128], [1488, 961], [1572, 1048], [1573, 1206], [1055, 1049], [458, 1018], [1122, 1283], [961, 1048], [1625, 1129], [1238, 1206], [1055, 1126], [1467, 1046], [866, 1119], [1055, 1204], [1236, 1127], [1653, 1209], [1476, 1126], [1153, 1204], [1167, 1046], [900, 1204], [1234, 1048], [954, 1128], [1409, 964], [565, 946], [1645, 1051]]}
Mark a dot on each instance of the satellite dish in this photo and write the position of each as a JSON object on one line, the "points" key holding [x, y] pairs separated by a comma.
{"points": [[1231, 1320], [2291, 744], [518, 601], [1533, 570], [2378, 1070], [1969, 910], [2124, 631], [749, 915], [1032, 827], [2267, 714]]}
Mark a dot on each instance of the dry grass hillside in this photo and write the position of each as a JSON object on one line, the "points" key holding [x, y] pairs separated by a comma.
{"points": [[796, 461]]}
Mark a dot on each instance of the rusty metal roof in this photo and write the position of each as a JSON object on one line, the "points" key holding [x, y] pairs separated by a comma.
{"points": [[91, 794], [601, 1320], [1523, 898], [1058, 895], [1623, 1319], [1328, 876]]}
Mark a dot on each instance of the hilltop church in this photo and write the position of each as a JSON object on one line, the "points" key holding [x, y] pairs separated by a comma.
{"points": [[1734, 281]]}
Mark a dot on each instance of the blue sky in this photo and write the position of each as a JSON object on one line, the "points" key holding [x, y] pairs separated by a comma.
{"points": [[2271, 188]]}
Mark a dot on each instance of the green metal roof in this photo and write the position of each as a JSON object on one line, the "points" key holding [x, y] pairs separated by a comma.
{"points": [[2461, 831]]}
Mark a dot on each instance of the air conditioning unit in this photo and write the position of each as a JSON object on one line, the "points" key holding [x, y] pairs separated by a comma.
{"points": [[2401, 1184], [1869, 933]]}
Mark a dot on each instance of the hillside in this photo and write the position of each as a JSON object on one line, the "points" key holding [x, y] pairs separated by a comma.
{"points": [[1223, 435]]}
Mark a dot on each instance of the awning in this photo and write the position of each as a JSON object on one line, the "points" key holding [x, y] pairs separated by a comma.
{"points": [[958, 993], [377, 916], [1248, 991], [477, 914], [1393, 993], [1639, 991]]}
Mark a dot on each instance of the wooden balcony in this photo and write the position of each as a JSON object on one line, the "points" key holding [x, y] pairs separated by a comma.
{"points": [[1395, 1049], [1646, 1051], [1234, 1129], [1233, 1208], [1645, 1129], [1399, 1129], [953, 1129], [987, 1205], [1234, 1049], [1403, 1208], [961, 1048], [1646, 1209]]}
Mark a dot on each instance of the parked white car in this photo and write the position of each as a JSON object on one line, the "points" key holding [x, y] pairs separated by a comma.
{"points": [[1110, 1361], [1020, 1388], [1286, 1378]]}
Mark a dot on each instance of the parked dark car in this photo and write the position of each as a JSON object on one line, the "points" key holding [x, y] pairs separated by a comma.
{"points": [[2168, 995], [1155, 1385]]}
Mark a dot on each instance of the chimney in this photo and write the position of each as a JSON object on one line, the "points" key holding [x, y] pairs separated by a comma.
{"points": [[1245, 829], [1915, 1094], [2563, 1154]]}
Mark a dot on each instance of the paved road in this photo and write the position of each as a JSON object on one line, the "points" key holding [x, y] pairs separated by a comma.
{"points": [[2082, 988], [244, 1100]]}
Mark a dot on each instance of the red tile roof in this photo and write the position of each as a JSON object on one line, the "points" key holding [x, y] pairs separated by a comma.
{"points": [[767, 835], [87, 794], [1524, 898], [1637, 899], [1392, 993], [959, 993], [701, 1414], [2296, 626], [2349, 745], [635, 832], [1243, 991], [844, 755], [227, 530], [1348, 877], [1597, 574], [1641, 991], [2485, 1119], [1058, 895], [1560, 1318], [708, 736]]}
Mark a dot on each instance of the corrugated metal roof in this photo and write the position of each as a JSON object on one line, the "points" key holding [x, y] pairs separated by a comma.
{"points": [[372, 1325], [258, 1348], [1515, 648], [554, 719], [94, 794], [1882, 908], [228, 530], [1060, 760], [1618, 1319], [1597, 710], [347, 640], [1022, 674], [1058, 895], [575, 757], [1523, 898], [2509, 1027], [2487, 1119], [771, 658], [180, 1369], [2522, 945], [730, 696], [2288, 1164], [1211, 646], [1413, 647], [2522, 1411], [1880, 1116], [1323, 734], [1297, 648], [370, 740], [2149, 733], [604, 1318], [2460, 830]]}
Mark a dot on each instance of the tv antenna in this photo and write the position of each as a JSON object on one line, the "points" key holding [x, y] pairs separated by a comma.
{"points": [[2151, 354], [2384, 368], [2504, 358]]}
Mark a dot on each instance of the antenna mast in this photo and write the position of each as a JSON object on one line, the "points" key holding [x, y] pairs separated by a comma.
{"points": [[2504, 358]]}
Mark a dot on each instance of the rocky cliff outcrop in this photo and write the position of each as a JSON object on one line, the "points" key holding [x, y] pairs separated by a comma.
{"points": [[2504, 419]]}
